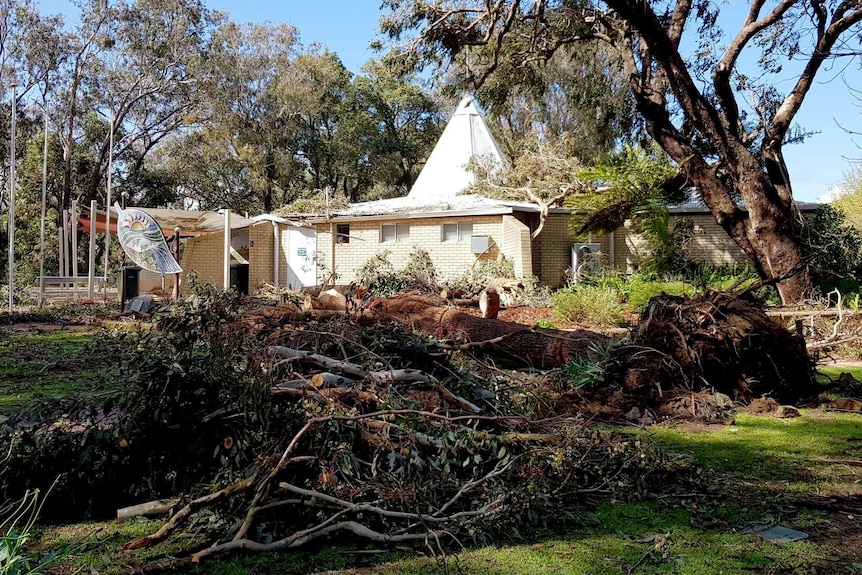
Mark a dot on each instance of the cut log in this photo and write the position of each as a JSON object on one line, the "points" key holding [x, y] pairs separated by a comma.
{"points": [[544, 348], [326, 380], [489, 304], [148, 509], [332, 300], [451, 294], [310, 303]]}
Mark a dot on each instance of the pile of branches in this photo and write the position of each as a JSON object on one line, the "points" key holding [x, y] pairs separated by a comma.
{"points": [[378, 437]]}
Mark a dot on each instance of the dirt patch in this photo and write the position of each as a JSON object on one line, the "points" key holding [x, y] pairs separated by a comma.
{"points": [[762, 406]]}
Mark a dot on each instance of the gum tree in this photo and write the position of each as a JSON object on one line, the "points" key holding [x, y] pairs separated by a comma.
{"points": [[725, 129]]}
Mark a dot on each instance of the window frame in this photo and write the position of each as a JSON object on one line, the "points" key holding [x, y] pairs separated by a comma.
{"points": [[342, 233], [401, 233], [462, 234]]}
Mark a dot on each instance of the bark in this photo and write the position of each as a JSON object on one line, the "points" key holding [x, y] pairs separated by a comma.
{"points": [[766, 232], [544, 348], [150, 508]]}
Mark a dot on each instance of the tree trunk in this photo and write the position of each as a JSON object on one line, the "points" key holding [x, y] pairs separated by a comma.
{"points": [[69, 147], [764, 227], [767, 233], [270, 178], [544, 348]]}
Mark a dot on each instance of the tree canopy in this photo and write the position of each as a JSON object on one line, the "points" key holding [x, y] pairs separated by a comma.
{"points": [[205, 112], [850, 200], [724, 126]]}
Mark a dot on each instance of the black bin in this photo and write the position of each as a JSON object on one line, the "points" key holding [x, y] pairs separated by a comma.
{"points": [[239, 278], [130, 285]]}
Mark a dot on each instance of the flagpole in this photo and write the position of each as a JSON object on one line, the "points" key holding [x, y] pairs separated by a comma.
{"points": [[108, 202], [44, 209], [12, 202]]}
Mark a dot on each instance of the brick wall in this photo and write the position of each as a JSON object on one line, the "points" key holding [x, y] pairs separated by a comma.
{"points": [[548, 257], [709, 244], [151, 282], [204, 255], [555, 248], [260, 256], [517, 246], [451, 259]]}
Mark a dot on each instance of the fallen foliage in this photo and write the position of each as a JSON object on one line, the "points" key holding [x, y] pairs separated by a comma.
{"points": [[301, 425], [386, 437]]}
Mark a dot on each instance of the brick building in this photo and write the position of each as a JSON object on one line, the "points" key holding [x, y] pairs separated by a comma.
{"points": [[457, 230]]}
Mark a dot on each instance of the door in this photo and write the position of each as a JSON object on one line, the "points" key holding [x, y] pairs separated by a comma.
{"points": [[301, 257]]}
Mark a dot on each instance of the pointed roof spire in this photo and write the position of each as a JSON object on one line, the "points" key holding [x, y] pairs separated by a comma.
{"points": [[466, 136]]}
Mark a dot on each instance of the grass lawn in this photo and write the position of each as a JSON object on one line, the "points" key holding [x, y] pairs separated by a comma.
{"points": [[798, 473], [833, 371], [57, 364]]}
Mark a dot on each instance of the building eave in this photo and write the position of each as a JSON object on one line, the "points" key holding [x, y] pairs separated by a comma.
{"points": [[490, 211]]}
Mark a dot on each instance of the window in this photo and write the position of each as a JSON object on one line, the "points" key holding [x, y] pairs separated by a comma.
{"points": [[398, 233], [457, 232], [342, 233]]}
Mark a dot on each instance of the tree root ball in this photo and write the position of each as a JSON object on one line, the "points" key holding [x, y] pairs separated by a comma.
{"points": [[718, 341]]}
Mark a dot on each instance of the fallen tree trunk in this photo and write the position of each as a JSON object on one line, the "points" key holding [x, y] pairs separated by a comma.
{"points": [[538, 347]]}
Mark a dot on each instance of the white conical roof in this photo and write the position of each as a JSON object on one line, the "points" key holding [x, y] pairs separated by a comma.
{"points": [[445, 173]]}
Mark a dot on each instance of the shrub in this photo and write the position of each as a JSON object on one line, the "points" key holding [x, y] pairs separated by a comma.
{"points": [[588, 304], [381, 278], [668, 243], [833, 248], [482, 271], [640, 289]]}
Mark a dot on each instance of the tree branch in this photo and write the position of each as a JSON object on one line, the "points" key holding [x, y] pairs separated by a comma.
{"points": [[843, 19], [722, 73]]}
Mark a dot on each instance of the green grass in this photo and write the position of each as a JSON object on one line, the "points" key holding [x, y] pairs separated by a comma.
{"points": [[637, 538], [834, 371], [639, 291], [53, 364], [593, 305], [763, 448]]}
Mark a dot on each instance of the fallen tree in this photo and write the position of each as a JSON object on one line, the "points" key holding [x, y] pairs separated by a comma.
{"points": [[454, 328], [716, 342], [365, 444]]}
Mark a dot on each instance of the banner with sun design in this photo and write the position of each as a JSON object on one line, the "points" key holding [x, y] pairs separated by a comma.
{"points": [[144, 243]]}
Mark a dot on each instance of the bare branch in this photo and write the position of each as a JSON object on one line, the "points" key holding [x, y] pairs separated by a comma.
{"points": [[302, 537], [721, 74], [843, 19]]}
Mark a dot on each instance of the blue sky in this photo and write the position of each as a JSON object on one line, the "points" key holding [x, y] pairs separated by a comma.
{"points": [[348, 26]]}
